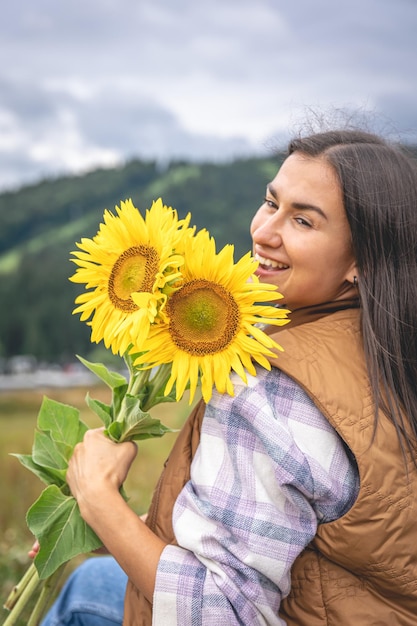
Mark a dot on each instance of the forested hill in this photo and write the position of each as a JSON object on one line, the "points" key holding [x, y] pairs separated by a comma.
{"points": [[40, 224]]}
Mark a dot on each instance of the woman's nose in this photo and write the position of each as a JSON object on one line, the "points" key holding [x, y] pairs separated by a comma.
{"points": [[267, 233]]}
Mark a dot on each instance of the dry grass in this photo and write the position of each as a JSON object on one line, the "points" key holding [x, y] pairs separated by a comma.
{"points": [[20, 488]]}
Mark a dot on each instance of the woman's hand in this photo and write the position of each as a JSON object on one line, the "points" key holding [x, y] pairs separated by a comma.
{"points": [[34, 550], [96, 471], [98, 467]]}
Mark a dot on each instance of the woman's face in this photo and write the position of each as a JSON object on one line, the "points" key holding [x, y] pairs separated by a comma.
{"points": [[301, 236]]}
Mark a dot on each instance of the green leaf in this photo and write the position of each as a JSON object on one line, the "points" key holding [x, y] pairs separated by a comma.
{"points": [[101, 409], [137, 424], [118, 397], [111, 379], [160, 397], [145, 430], [61, 428], [49, 453], [47, 475], [114, 431], [56, 522], [61, 420]]}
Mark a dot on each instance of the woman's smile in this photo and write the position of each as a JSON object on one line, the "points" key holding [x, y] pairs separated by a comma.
{"points": [[269, 264]]}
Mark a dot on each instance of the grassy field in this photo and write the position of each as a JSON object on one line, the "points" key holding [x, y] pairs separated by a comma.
{"points": [[20, 488]]}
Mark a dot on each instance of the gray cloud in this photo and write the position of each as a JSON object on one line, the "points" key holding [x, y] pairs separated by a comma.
{"points": [[93, 82]]}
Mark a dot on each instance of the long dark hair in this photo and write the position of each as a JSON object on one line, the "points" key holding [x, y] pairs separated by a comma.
{"points": [[379, 185]]}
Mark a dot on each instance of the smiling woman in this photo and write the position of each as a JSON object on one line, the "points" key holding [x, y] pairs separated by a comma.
{"points": [[292, 502], [301, 234]]}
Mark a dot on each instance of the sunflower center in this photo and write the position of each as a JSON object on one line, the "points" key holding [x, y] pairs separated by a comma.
{"points": [[204, 317], [134, 270]]}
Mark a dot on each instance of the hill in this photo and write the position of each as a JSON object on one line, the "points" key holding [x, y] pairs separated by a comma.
{"points": [[40, 224]]}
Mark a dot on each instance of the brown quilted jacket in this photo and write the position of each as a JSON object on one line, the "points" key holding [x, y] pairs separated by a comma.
{"points": [[360, 570]]}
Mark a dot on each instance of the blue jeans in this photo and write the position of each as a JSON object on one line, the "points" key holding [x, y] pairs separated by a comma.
{"points": [[93, 595]]}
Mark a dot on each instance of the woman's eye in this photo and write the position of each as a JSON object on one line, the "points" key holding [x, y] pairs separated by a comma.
{"points": [[302, 222], [270, 203]]}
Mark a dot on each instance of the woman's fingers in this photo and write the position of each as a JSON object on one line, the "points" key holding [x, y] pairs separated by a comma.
{"points": [[34, 550]]}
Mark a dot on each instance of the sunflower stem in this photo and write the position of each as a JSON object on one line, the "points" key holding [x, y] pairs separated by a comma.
{"points": [[129, 363], [157, 382], [21, 594], [19, 588], [138, 380], [48, 589]]}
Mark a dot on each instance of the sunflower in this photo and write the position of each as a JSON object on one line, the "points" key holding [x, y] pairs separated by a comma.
{"points": [[212, 321], [126, 267]]}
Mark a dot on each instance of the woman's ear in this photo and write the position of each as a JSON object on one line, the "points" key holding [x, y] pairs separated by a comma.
{"points": [[352, 275]]}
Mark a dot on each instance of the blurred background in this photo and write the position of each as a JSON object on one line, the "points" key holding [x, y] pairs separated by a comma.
{"points": [[102, 100]]}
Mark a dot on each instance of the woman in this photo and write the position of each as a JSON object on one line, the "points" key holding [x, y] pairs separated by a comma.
{"points": [[301, 503]]}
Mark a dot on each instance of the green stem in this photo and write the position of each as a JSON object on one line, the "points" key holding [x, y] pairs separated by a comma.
{"points": [[24, 594], [137, 380], [158, 381], [45, 596], [18, 589]]}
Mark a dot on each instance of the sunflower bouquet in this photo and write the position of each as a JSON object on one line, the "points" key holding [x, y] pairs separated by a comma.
{"points": [[180, 315]]}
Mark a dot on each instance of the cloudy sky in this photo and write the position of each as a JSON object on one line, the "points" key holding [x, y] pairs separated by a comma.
{"points": [[95, 82]]}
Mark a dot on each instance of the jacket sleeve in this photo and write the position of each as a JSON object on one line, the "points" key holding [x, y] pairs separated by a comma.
{"points": [[268, 469]]}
